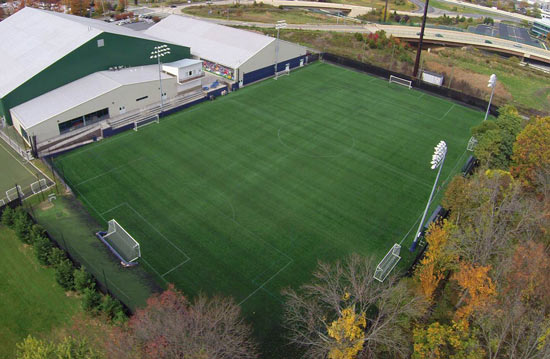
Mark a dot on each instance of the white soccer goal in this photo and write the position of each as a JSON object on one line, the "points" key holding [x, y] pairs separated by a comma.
{"points": [[39, 186], [471, 144], [121, 243], [146, 121], [387, 264], [286, 71], [2, 202], [400, 81], [12, 193]]}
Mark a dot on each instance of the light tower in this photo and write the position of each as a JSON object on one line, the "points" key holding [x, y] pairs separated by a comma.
{"points": [[492, 84], [437, 161], [157, 53], [281, 24]]}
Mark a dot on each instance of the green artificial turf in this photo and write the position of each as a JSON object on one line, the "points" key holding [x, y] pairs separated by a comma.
{"points": [[14, 171], [243, 195], [31, 302]]}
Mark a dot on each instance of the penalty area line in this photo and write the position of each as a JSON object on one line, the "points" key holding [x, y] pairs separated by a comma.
{"points": [[267, 281]]}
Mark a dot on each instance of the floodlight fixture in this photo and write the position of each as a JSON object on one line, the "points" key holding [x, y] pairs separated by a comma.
{"points": [[492, 84], [438, 158], [281, 24], [157, 53]]}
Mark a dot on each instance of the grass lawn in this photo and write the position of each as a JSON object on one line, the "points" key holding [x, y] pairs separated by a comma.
{"points": [[461, 9], [267, 14], [31, 302], [243, 195], [73, 228], [403, 5]]}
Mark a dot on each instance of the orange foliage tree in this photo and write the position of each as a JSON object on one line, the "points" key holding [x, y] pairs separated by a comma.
{"points": [[478, 288], [532, 150], [436, 261]]}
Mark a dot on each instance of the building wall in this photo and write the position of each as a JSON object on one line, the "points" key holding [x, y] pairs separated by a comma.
{"points": [[87, 59], [541, 28], [123, 96], [266, 56]]}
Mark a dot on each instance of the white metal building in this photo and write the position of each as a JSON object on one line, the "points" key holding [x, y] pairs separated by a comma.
{"points": [[235, 54], [99, 96]]}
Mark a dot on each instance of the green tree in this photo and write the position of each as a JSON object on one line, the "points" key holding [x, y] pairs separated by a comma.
{"points": [[57, 256], [8, 216], [22, 225], [439, 341], [64, 274], [42, 249], [112, 308], [496, 138], [91, 300], [82, 279]]}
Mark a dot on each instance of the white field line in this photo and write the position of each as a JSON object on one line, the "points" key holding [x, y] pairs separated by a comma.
{"points": [[264, 283], [153, 268], [109, 171], [15, 158], [446, 113], [176, 267]]}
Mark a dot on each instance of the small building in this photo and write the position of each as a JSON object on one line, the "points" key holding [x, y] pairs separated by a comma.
{"points": [[237, 55], [188, 73], [541, 27], [432, 78], [100, 96]]}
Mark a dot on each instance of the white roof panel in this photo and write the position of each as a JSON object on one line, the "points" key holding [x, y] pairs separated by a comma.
{"points": [[32, 39], [80, 91], [221, 44]]}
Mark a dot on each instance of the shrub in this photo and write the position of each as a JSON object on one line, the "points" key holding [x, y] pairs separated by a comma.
{"points": [[8, 216], [82, 279], [91, 300], [56, 256], [112, 308], [42, 249], [358, 36], [64, 274], [37, 231]]}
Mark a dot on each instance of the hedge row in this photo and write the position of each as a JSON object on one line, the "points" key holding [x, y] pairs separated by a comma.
{"points": [[66, 275]]}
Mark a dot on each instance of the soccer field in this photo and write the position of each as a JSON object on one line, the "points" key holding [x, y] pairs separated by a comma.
{"points": [[243, 195]]}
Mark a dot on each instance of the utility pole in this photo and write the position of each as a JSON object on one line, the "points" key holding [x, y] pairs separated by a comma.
{"points": [[420, 40]]}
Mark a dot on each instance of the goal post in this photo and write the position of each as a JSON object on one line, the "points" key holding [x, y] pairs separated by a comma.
{"points": [[39, 186], [146, 121], [400, 81], [286, 71], [14, 193], [386, 265], [121, 243]]}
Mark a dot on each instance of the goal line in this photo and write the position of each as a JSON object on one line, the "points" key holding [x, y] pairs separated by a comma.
{"points": [[400, 81]]}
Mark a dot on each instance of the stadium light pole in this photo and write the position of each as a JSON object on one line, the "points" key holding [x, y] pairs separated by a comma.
{"points": [[492, 83], [157, 53], [281, 24], [437, 161]]}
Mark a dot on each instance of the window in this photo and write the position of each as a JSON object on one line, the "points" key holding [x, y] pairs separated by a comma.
{"points": [[100, 43], [24, 133], [82, 121], [190, 73], [141, 98]]}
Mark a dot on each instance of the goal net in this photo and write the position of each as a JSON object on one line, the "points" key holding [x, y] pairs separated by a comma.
{"points": [[146, 121], [121, 243], [400, 81], [12, 193], [286, 71], [387, 264], [471, 144], [39, 186]]}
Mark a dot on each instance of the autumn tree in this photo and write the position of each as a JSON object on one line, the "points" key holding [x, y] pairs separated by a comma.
{"points": [[437, 259], [346, 313], [517, 323], [78, 7], [532, 151], [478, 289], [171, 326], [69, 348], [440, 341]]}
